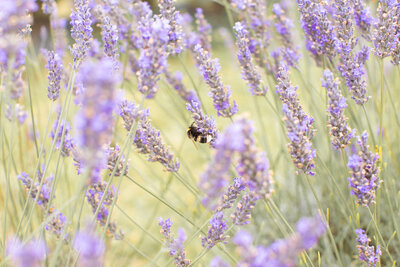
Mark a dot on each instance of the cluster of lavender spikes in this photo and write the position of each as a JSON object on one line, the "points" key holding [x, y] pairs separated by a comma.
{"points": [[282, 252], [367, 253], [147, 139], [298, 124], [340, 131], [364, 180], [249, 72], [174, 245]]}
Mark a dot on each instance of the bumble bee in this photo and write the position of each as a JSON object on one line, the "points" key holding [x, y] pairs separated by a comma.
{"points": [[196, 135]]}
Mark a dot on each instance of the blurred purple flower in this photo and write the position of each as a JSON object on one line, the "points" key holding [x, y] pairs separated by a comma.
{"points": [[27, 254], [90, 247], [49, 6], [68, 142]]}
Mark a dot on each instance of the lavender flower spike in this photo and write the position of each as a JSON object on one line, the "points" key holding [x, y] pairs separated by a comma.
{"points": [[55, 67], [109, 33], [340, 131], [174, 245], [204, 30], [242, 215], [367, 253], [363, 18], [216, 231], [168, 11], [249, 72], [231, 194], [90, 247], [81, 31], [364, 180], [298, 124], [219, 92]]}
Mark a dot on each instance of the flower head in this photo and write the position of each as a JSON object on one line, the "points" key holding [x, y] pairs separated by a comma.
{"points": [[216, 231], [55, 67], [367, 253], [168, 11]]}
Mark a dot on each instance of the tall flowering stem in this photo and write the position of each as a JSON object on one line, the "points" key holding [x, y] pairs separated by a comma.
{"points": [[364, 180], [249, 72], [174, 245], [168, 11], [298, 125], [368, 254], [220, 93], [81, 31], [147, 139], [340, 131]]}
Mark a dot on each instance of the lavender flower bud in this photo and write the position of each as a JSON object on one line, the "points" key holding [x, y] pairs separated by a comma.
{"points": [[174, 245], [219, 92], [231, 194], [31, 253], [57, 224], [81, 31], [363, 18], [340, 131], [44, 195], [169, 13], [384, 35], [94, 122], [204, 30], [364, 180], [153, 55], [55, 67], [367, 253], [298, 125], [113, 155], [176, 82], [249, 72], [204, 124], [319, 31], [129, 112], [109, 33], [216, 231], [68, 143], [242, 215], [90, 247]]}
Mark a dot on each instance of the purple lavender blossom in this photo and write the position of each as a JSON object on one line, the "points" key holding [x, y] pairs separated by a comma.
{"points": [[55, 67], [168, 11], [81, 31], [58, 26], [49, 6], [203, 30], [218, 262], [109, 33], [319, 31], [176, 82], [147, 139], [27, 254], [94, 122], [216, 231], [204, 124], [249, 72], [154, 37], [384, 35], [283, 26], [90, 247], [44, 195], [242, 215], [57, 223], [220, 93], [364, 171], [340, 131], [68, 143], [113, 155], [174, 245], [363, 18], [298, 125], [93, 195], [367, 253], [231, 194]]}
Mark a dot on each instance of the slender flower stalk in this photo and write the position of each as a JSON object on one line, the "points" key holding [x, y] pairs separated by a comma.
{"points": [[249, 72], [367, 253], [340, 131], [220, 93], [55, 67], [174, 245], [81, 31], [364, 171], [147, 139], [168, 12], [298, 125]]}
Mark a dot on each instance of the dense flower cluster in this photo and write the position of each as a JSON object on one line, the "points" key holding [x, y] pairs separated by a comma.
{"points": [[363, 18], [55, 67], [169, 12], [249, 72], [298, 124], [220, 93], [174, 245], [216, 231], [364, 180], [340, 131], [367, 253], [282, 252]]}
